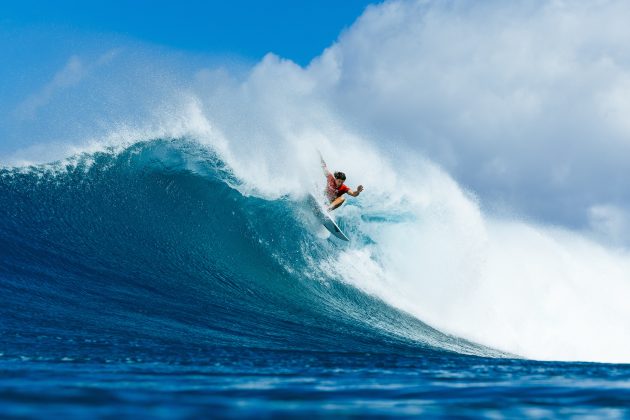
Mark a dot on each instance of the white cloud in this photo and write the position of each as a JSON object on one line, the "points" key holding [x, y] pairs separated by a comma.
{"points": [[610, 223], [527, 99]]}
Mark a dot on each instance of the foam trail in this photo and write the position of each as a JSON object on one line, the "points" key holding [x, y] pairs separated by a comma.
{"points": [[540, 292]]}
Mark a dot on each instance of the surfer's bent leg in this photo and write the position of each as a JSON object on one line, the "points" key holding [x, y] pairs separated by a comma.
{"points": [[336, 203]]}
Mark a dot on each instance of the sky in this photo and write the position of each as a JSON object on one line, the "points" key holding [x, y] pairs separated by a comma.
{"points": [[298, 30], [38, 37], [524, 103]]}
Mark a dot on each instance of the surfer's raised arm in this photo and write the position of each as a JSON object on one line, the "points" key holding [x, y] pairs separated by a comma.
{"points": [[324, 167]]}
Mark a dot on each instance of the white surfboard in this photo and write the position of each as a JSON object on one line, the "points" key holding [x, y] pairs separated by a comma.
{"points": [[325, 218]]}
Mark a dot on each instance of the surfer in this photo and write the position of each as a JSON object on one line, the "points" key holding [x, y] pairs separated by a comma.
{"points": [[335, 188]]}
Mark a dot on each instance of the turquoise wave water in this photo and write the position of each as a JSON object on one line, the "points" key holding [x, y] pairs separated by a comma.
{"points": [[156, 242]]}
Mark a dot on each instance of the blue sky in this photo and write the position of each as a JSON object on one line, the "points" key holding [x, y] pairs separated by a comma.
{"points": [[298, 30], [38, 38]]}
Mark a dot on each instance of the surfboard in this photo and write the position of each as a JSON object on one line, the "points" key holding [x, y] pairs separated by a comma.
{"points": [[325, 218]]}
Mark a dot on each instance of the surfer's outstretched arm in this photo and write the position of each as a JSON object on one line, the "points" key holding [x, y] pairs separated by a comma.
{"points": [[357, 192]]}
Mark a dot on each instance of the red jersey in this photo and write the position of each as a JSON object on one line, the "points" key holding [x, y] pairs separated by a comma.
{"points": [[332, 191]]}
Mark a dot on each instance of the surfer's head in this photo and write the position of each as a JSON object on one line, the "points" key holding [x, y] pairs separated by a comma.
{"points": [[339, 178]]}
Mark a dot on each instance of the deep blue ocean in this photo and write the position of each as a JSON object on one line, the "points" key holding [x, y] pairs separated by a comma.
{"points": [[142, 282]]}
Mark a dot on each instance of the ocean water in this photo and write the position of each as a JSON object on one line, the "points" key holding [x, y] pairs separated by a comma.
{"points": [[146, 281]]}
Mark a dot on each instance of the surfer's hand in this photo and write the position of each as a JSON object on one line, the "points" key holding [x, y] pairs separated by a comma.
{"points": [[360, 188], [321, 159]]}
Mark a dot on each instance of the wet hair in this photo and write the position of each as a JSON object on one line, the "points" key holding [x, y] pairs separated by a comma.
{"points": [[340, 175]]}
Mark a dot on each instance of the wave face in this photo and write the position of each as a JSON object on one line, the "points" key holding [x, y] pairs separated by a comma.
{"points": [[155, 242]]}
